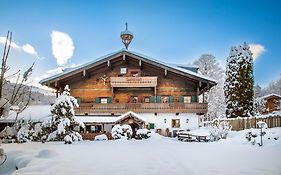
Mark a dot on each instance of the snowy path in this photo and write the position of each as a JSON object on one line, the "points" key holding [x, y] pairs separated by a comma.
{"points": [[150, 157]]}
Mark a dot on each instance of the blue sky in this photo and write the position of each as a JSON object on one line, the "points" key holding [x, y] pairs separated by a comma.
{"points": [[172, 31]]}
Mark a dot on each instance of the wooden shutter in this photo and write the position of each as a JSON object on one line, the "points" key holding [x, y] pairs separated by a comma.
{"points": [[171, 99], [97, 100], [180, 99], [158, 99], [194, 99], [151, 99]]}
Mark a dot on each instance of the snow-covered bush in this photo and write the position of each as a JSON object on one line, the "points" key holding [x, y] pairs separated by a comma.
{"points": [[101, 137], [61, 124], [143, 134], [219, 130], [121, 132], [253, 136], [259, 106], [28, 131]]}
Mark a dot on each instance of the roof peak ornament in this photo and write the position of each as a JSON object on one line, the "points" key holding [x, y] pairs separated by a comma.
{"points": [[126, 36]]}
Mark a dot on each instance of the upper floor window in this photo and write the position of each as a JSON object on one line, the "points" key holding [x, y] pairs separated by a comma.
{"points": [[103, 100], [146, 99], [187, 99], [164, 99]]}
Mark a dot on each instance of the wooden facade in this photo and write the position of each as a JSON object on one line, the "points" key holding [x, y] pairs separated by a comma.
{"points": [[126, 81], [272, 103]]}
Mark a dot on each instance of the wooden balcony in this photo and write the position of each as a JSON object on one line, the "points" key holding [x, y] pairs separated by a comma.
{"points": [[133, 81], [120, 108]]}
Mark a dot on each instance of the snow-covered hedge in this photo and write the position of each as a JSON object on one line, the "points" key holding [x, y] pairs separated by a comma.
{"points": [[143, 134], [219, 130], [101, 137], [121, 132]]}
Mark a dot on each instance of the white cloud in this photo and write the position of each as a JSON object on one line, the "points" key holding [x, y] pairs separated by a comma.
{"points": [[257, 50], [54, 71], [62, 47], [27, 48]]}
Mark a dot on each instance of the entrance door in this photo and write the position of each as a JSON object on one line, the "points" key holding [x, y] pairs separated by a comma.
{"points": [[134, 127]]}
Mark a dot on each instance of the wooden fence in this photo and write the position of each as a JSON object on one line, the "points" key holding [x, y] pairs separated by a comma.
{"points": [[247, 123]]}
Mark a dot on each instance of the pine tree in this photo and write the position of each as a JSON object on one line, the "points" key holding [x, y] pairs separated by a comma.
{"points": [[62, 121], [209, 66], [239, 91]]}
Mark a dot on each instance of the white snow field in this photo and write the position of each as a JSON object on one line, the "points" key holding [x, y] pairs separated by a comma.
{"points": [[156, 156]]}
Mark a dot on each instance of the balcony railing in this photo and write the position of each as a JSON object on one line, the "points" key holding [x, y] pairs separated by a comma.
{"points": [[133, 81], [120, 108]]}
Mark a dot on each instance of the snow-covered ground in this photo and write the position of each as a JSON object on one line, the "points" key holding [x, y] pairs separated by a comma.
{"points": [[157, 155]]}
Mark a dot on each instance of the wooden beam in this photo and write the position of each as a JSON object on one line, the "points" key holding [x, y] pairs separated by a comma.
{"points": [[124, 57]]}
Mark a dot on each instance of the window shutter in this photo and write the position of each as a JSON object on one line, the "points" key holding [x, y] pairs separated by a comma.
{"points": [[109, 100], [158, 99], [180, 99], [171, 99], [151, 126], [78, 100], [151, 99], [97, 100], [194, 99]]}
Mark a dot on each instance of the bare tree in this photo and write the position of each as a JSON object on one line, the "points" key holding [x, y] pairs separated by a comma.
{"points": [[19, 89]]}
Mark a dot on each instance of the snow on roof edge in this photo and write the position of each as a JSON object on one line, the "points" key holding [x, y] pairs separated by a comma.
{"points": [[132, 52]]}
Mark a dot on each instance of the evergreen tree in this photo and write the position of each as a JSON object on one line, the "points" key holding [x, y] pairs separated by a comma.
{"points": [[239, 91], [60, 127], [209, 66]]}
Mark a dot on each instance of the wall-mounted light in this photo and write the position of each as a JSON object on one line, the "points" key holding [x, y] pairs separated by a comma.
{"points": [[187, 120], [165, 120]]}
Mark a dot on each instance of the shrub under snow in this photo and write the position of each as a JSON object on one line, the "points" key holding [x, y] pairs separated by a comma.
{"points": [[220, 129], [143, 134], [101, 137], [122, 132]]}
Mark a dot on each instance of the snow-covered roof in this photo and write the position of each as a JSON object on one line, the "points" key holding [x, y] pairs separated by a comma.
{"points": [[133, 114], [95, 119], [34, 113], [269, 95], [127, 52]]}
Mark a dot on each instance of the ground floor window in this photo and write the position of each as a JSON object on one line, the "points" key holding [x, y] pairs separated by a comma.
{"points": [[175, 123]]}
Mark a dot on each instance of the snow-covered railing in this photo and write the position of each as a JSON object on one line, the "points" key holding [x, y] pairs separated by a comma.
{"points": [[94, 108]]}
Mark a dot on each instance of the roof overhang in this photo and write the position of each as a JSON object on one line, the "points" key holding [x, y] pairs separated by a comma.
{"points": [[168, 67]]}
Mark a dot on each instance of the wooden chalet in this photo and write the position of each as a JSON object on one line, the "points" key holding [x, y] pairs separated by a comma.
{"points": [[272, 102], [167, 95]]}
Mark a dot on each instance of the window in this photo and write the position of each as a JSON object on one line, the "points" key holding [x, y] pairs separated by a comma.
{"points": [[164, 99], [134, 99], [123, 70], [175, 123], [103, 100], [146, 99], [187, 99]]}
